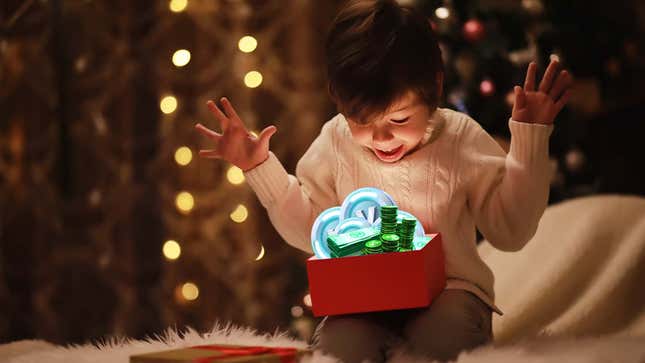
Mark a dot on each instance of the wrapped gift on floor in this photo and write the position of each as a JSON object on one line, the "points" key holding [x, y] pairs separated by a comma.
{"points": [[223, 353]]}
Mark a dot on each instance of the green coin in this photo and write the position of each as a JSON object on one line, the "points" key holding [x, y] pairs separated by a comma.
{"points": [[390, 237], [373, 243]]}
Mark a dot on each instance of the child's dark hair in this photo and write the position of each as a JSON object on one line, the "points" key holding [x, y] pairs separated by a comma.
{"points": [[376, 51]]}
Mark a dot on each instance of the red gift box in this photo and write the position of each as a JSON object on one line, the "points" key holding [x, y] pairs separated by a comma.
{"points": [[216, 353], [386, 281]]}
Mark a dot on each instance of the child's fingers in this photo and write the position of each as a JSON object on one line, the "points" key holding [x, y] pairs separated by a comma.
{"points": [[520, 97], [224, 121], [563, 82], [561, 102], [529, 81], [230, 111], [266, 134], [549, 75], [208, 132], [210, 154]]}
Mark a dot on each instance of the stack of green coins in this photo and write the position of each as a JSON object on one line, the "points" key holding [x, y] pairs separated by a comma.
{"points": [[372, 246], [350, 243], [390, 242], [388, 219], [406, 233]]}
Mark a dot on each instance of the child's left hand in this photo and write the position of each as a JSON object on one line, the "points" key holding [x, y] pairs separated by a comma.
{"points": [[543, 105]]}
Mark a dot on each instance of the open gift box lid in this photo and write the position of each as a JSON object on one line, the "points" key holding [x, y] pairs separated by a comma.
{"points": [[386, 281]]}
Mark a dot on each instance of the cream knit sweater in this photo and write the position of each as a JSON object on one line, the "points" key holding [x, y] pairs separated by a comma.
{"points": [[457, 180]]}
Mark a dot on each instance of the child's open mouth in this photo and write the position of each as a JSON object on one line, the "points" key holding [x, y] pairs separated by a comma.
{"points": [[391, 155]]}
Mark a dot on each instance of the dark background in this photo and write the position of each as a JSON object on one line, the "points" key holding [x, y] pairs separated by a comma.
{"points": [[88, 177]]}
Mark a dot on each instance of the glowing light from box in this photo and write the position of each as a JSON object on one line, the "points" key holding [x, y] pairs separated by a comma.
{"points": [[253, 79], [171, 249], [190, 291], [235, 175], [296, 311], [183, 155], [177, 6], [442, 12], [185, 202], [240, 214], [181, 57], [247, 44], [168, 104], [307, 300], [554, 57]]}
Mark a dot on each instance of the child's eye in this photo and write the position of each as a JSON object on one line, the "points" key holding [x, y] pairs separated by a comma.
{"points": [[401, 121]]}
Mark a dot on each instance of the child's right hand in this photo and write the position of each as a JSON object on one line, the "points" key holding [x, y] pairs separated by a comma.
{"points": [[235, 144]]}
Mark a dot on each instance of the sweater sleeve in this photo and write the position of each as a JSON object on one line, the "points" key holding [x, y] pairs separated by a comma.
{"points": [[294, 202], [509, 193]]}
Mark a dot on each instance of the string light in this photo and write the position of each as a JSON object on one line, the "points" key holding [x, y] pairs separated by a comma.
{"points": [[253, 79], [185, 202], [183, 156], [171, 250], [240, 214], [487, 87], [442, 12], [247, 44], [235, 175], [190, 291], [177, 6], [168, 104], [181, 57]]}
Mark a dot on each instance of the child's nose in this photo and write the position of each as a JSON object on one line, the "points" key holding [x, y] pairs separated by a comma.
{"points": [[381, 134]]}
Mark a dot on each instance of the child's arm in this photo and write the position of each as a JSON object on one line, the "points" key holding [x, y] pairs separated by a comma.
{"points": [[293, 203], [508, 193]]}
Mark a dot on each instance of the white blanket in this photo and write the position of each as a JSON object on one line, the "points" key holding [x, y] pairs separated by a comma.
{"points": [[583, 273]]}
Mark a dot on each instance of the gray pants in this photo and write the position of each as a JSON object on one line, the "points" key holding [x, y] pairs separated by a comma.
{"points": [[456, 320]]}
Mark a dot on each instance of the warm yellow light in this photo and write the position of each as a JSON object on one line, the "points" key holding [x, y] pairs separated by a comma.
{"points": [[177, 6], [181, 57], [168, 104], [255, 134], [235, 175], [171, 250], [554, 57], [240, 214], [253, 79], [189, 291], [442, 12], [185, 202], [261, 254], [247, 44], [183, 155], [307, 300]]}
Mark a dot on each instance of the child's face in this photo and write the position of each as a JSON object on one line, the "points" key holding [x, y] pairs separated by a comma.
{"points": [[397, 132]]}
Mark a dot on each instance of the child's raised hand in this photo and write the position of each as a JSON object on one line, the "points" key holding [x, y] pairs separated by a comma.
{"points": [[235, 144], [543, 105]]}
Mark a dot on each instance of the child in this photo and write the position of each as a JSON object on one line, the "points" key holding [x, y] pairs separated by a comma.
{"points": [[385, 75]]}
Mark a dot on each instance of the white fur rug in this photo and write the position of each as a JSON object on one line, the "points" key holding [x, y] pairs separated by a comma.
{"points": [[542, 349]]}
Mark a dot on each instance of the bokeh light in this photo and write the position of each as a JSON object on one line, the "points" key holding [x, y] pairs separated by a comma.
{"points": [[168, 104], [442, 13], [253, 79], [171, 250], [185, 202], [181, 57], [177, 6], [235, 175], [247, 44], [240, 214], [190, 291], [183, 156]]}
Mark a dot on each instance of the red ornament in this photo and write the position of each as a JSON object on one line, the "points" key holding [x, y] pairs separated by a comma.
{"points": [[487, 87], [474, 30]]}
